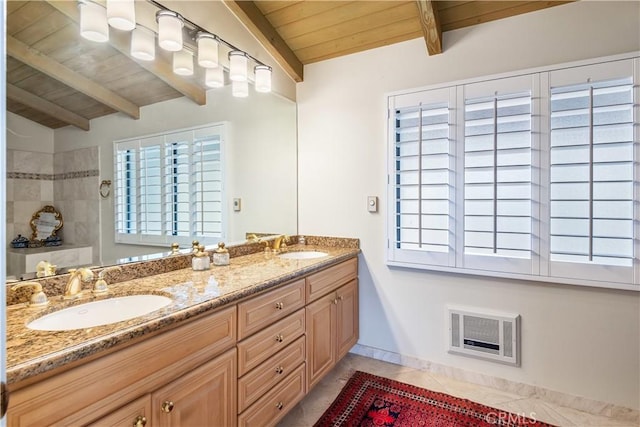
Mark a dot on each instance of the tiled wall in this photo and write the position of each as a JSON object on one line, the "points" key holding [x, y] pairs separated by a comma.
{"points": [[76, 191], [69, 181], [29, 188]]}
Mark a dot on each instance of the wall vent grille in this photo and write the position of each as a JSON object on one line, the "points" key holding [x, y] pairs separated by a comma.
{"points": [[486, 335]]}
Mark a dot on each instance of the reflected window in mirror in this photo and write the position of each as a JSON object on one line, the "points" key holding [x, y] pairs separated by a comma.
{"points": [[168, 187]]}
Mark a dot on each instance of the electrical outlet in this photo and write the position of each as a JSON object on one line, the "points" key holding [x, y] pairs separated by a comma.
{"points": [[372, 204]]}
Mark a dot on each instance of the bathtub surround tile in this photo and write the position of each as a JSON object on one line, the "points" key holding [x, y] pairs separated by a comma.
{"points": [[451, 378]]}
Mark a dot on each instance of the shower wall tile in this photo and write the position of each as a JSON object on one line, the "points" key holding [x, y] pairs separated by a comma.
{"points": [[31, 162]]}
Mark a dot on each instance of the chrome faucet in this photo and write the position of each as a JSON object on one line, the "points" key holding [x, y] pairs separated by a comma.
{"points": [[73, 289]]}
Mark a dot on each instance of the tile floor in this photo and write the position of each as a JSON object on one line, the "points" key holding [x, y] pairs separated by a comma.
{"points": [[322, 395]]}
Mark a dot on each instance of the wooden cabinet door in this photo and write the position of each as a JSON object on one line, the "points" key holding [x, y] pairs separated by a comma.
{"points": [[348, 316], [321, 341], [205, 396]]}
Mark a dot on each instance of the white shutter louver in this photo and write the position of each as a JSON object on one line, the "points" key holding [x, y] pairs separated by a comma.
{"points": [[497, 176], [592, 173]]}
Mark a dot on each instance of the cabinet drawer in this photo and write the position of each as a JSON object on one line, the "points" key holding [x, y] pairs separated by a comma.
{"points": [[274, 405], [264, 344], [263, 378], [268, 308], [325, 281]]}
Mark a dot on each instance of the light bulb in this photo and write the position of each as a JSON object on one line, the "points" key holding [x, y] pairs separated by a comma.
{"points": [[263, 78], [238, 66], [93, 22], [240, 89], [207, 50], [169, 30], [214, 77], [143, 44], [183, 63], [121, 14]]}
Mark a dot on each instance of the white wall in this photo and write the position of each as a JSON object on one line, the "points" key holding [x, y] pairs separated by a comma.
{"points": [[260, 150], [581, 341]]}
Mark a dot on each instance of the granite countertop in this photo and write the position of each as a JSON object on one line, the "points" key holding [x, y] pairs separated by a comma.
{"points": [[31, 352]]}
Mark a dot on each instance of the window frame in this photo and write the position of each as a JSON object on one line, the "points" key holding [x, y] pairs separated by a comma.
{"points": [[217, 130], [540, 266]]}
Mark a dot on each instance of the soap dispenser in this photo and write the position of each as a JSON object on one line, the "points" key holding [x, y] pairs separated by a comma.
{"points": [[200, 260], [221, 255]]}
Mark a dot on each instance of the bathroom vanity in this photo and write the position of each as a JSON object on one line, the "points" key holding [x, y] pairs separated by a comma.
{"points": [[240, 345]]}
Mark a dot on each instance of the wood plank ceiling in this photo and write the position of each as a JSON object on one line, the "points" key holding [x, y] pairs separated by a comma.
{"points": [[56, 78]]}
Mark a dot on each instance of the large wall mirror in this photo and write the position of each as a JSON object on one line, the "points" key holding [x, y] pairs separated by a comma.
{"points": [[260, 164], [50, 163]]}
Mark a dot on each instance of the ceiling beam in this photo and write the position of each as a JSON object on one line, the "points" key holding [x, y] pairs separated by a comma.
{"points": [[76, 81], [430, 24], [158, 67], [249, 14], [33, 101]]}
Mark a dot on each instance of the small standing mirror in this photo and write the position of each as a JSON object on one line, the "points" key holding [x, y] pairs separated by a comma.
{"points": [[45, 223]]}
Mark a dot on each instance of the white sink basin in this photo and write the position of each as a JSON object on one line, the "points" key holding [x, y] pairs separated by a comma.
{"points": [[303, 255], [98, 313]]}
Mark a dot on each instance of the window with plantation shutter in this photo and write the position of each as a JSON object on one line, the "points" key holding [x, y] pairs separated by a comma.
{"points": [[423, 178], [498, 164], [525, 175], [169, 187], [592, 173]]}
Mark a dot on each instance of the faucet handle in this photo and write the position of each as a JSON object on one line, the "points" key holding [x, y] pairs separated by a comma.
{"points": [[38, 298], [101, 286]]}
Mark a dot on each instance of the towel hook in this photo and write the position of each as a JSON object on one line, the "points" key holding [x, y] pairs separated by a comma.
{"points": [[105, 188]]}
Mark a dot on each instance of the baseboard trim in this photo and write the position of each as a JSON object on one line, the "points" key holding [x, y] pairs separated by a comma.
{"points": [[584, 404]]}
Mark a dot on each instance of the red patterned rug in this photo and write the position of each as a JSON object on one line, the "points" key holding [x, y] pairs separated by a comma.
{"points": [[369, 400]]}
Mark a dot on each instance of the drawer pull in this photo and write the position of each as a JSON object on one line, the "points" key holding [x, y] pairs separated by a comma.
{"points": [[140, 421], [279, 338], [279, 305], [279, 405], [167, 406], [279, 370]]}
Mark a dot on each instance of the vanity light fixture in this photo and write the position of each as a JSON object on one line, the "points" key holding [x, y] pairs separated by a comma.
{"points": [[93, 21], [170, 30], [238, 66], [121, 14], [240, 89], [207, 50], [183, 63], [214, 77], [143, 44], [263, 78]]}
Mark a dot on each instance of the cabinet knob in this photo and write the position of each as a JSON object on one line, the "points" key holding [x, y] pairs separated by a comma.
{"points": [[167, 406], [335, 301], [279, 305], [140, 421], [279, 370], [279, 338], [280, 405], [340, 298]]}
